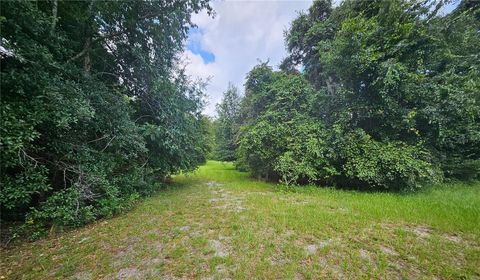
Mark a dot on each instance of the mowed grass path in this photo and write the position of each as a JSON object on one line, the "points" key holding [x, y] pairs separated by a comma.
{"points": [[217, 223]]}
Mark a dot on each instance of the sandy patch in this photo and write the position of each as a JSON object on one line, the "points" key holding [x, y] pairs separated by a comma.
{"points": [[220, 249], [388, 251], [129, 273]]}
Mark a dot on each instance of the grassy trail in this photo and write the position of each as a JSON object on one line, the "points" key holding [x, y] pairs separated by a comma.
{"points": [[217, 224]]}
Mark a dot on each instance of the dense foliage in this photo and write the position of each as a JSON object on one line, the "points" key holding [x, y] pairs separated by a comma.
{"points": [[94, 107], [387, 98]]}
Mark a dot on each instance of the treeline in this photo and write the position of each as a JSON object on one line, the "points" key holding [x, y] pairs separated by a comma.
{"points": [[378, 95], [96, 109]]}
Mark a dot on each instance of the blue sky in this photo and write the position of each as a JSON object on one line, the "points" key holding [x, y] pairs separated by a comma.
{"points": [[449, 7], [194, 45]]}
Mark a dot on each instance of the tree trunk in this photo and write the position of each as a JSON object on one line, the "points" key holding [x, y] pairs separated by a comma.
{"points": [[54, 15], [87, 64]]}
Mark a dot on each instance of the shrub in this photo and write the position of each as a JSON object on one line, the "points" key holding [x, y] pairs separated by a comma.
{"points": [[306, 159], [259, 148], [392, 166]]}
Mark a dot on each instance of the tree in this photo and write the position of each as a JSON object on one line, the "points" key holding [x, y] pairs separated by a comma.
{"points": [[226, 124], [394, 67], [281, 129], [96, 110]]}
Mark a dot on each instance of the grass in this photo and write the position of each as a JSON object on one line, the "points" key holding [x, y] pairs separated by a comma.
{"points": [[218, 223]]}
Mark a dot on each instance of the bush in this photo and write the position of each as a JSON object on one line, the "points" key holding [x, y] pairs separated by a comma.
{"points": [[393, 166], [306, 159], [63, 209], [259, 148]]}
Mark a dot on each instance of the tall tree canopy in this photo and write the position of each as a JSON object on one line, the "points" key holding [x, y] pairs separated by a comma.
{"points": [[94, 105], [395, 99]]}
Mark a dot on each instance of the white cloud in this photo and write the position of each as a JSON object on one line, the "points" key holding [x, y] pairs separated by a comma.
{"points": [[241, 33]]}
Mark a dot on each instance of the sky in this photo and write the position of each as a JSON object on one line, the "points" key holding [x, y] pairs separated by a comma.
{"points": [[226, 47]]}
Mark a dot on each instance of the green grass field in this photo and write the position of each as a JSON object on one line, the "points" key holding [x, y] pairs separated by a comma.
{"points": [[217, 223]]}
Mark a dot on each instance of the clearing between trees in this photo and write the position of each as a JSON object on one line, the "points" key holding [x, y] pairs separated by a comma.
{"points": [[217, 223]]}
